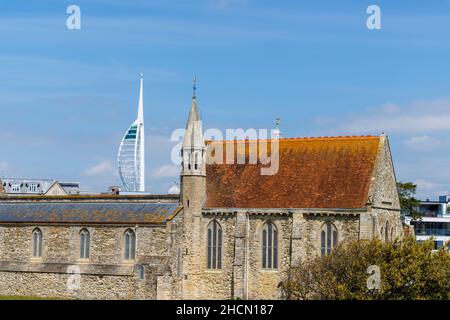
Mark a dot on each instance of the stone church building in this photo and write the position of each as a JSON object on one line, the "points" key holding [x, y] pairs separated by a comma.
{"points": [[233, 232]]}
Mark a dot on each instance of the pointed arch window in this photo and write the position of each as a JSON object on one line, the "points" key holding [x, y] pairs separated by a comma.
{"points": [[85, 239], [214, 235], [141, 272], [37, 243], [328, 238], [190, 161], [386, 230], [130, 244], [196, 161], [269, 246]]}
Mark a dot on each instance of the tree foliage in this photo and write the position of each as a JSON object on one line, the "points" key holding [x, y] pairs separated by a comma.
{"points": [[408, 270], [408, 203]]}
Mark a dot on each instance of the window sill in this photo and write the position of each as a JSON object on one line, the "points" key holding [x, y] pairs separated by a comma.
{"points": [[269, 270], [36, 260], [213, 270], [83, 261]]}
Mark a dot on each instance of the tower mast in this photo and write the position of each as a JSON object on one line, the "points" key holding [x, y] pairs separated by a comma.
{"points": [[141, 147], [131, 155]]}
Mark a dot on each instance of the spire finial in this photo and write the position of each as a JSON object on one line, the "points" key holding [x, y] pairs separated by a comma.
{"points": [[142, 74], [276, 133], [194, 88]]}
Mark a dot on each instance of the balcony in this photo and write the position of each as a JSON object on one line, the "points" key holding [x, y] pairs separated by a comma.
{"points": [[432, 232], [431, 228]]}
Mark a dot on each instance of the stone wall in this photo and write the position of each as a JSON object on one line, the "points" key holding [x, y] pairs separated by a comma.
{"points": [[176, 252], [218, 283], [242, 275], [263, 284], [347, 226], [54, 285], [105, 275], [190, 237], [383, 191], [385, 203], [387, 224]]}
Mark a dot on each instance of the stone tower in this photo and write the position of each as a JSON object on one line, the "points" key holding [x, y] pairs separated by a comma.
{"points": [[192, 196], [2, 190]]}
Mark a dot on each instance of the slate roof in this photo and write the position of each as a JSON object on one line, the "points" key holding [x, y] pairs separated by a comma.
{"points": [[324, 172], [87, 212]]}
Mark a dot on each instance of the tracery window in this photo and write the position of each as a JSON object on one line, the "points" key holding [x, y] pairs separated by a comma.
{"points": [[37, 243], [130, 244], [328, 238], [214, 245], [84, 244], [269, 246]]}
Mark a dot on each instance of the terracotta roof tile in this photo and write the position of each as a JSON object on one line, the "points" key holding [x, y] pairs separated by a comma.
{"points": [[321, 172]]}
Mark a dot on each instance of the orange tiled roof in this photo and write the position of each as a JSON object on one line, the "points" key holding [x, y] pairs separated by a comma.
{"points": [[323, 172]]}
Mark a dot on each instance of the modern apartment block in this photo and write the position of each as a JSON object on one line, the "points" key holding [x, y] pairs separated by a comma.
{"points": [[435, 221]]}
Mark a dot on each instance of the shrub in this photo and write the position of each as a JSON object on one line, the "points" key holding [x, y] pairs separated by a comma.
{"points": [[408, 270]]}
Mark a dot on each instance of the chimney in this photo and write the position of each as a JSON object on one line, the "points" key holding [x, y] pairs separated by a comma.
{"points": [[114, 190]]}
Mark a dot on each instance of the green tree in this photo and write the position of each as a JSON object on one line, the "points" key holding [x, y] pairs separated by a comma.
{"points": [[409, 204], [408, 270]]}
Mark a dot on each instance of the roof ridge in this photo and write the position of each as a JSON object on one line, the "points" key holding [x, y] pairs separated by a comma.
{"points": [[304, 138]]}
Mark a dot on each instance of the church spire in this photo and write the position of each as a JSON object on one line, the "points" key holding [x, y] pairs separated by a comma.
{"points": [[193, 149], [193, 136], [194, 115]]}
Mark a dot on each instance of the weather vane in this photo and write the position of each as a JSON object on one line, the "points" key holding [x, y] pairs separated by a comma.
{"points": [[195, 86]]}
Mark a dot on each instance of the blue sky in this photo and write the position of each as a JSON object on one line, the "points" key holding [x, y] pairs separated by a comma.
{"points": [[67, 96]]}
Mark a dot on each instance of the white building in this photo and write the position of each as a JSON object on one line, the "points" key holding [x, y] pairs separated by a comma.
{"points": [[24, 187], [435, 221]]}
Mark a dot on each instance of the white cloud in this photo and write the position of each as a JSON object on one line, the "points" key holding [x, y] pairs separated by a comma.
{"points": [[427, 189], [425, 184], [168, 170], [174, 190], [3, 165], [390, 108], [426, 143], [101, 169], [416, 117]]}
